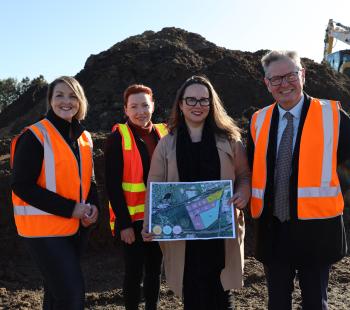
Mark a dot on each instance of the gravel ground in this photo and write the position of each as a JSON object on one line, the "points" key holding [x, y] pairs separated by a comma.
{"points": [[20, 285]]}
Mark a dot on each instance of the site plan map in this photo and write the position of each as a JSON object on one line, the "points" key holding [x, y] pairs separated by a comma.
{"points": [[191, 210]]}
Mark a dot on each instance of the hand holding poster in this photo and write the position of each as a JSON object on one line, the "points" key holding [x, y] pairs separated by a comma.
{"points": [[191, 210]]}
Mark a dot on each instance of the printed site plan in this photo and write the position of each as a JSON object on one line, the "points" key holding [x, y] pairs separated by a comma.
{"points": [[191, 210]]}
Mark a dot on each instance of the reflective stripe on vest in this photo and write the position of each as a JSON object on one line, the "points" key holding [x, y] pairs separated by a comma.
{"points": [[319, 193], [260, 127], [61, 174], [133, 187], [28, 210], [161, 129], [132, 184]]}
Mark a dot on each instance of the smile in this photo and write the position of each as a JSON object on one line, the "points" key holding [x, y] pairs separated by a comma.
{"points": [[66, 108], [286, 92]]}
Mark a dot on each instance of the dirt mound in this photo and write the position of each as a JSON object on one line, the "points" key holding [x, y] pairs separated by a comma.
{"points": [[163, 60]]}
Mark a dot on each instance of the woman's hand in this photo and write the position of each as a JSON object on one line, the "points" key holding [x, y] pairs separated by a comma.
{"points": [[239, 200], [147, 237], [91, 217], [81, 209], [127, 235]]}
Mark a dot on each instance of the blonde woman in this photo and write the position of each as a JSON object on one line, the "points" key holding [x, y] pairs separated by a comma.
{"points": [[204, 144], [54, 195]]}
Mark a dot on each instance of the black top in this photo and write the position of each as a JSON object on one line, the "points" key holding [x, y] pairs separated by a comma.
{"points": [[27, 166], [200, 161], [311, 241], [203, 257], [114, 167]]}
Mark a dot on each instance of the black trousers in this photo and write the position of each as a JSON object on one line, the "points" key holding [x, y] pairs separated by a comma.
{"points": [[281, 272], [202, 288], [143, 260], [58, 259]]}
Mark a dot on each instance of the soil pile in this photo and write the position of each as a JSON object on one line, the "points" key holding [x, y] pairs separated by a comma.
{"points": [[162, 60]]}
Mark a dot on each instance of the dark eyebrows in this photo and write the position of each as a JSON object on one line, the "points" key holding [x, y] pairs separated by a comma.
{"points": [[143, 102]]}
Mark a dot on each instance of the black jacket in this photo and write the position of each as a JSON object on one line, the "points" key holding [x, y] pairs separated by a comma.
{"points": [[311, 241], [114, 167], [27, 166]]}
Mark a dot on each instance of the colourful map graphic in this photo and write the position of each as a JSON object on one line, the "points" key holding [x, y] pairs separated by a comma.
{"points": [[191, 210]]}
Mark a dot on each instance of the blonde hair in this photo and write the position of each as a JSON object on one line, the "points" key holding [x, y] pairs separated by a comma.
{"points": [[78, 91], [220, 121]]}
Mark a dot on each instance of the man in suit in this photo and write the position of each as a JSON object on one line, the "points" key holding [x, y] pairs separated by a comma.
{"points": [[294, 148]]}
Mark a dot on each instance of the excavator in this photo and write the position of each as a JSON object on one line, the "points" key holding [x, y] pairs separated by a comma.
{"points": [[339, 61]]}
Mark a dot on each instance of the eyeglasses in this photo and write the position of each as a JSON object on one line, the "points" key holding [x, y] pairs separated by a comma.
{"points": [[191, 101], [289, 77]]}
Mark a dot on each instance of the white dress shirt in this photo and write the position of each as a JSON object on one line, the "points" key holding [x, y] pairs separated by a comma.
{"points": [[282, 123]]}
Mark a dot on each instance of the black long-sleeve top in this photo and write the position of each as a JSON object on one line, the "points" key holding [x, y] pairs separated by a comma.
{"points": [[114, 168], [27, 165]]}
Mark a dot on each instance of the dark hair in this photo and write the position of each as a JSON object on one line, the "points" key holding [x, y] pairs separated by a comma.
{"points": [[219, 120]]}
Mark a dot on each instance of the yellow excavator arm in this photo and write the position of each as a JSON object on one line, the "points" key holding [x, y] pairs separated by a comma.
{"points": [[337, 31]]}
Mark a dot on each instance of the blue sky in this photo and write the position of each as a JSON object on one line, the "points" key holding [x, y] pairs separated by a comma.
{"points": [[55, 38]]}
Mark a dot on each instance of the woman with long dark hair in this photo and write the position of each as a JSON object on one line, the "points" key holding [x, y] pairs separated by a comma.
{"points": [[204, 144]]}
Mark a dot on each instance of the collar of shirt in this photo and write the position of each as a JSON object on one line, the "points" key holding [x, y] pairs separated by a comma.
{"points": [[295, 111]]}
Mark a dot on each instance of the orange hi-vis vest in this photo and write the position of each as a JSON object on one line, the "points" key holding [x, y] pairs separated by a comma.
{"points": [[133, 185], [61, 174], [319, 193]]}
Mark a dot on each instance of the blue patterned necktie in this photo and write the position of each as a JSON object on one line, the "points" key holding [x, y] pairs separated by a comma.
{"points": [[282, 171]]}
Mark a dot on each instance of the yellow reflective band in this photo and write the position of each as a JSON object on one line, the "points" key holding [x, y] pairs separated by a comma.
{"points": [[133, 187], [215, 196], [124, 131], [136, 209], [162, 129]]}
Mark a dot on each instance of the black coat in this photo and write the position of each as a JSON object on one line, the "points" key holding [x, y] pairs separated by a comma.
{"points": [[320, 241]]}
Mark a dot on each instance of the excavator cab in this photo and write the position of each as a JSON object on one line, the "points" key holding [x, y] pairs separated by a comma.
{"points": [[340, 61]]}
